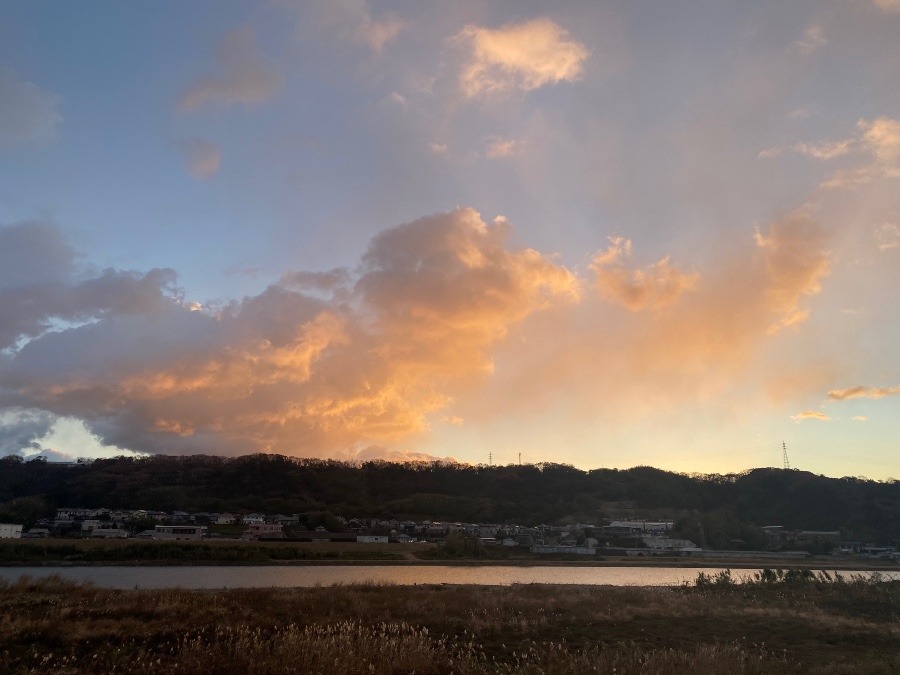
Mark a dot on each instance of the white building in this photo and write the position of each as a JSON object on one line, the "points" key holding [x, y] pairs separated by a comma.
{"points": [[179, 532], [10, 531]]}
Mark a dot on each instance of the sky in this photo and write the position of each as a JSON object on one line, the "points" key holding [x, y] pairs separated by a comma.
{"points": [[605, 234]]}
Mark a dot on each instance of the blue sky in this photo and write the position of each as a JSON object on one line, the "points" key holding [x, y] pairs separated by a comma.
{"points": [[600, 233]]}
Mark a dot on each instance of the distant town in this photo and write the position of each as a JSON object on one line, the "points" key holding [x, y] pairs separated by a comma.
{"points": [[615, 537]]}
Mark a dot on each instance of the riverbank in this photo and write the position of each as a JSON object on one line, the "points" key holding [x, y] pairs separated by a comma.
{"points": [[796, 625], [130, 552]]}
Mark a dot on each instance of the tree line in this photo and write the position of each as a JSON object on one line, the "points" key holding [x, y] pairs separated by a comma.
{"points": [[529, 494]]}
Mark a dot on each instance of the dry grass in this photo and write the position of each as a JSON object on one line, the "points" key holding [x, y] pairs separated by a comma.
{"points": [[55, 626]]}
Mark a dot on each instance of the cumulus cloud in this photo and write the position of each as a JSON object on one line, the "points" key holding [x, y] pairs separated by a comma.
{"points": [[860, 391], [20, 429], [27, 113], [653, 287], [290, 372], [201, 156], [521, 56], [244, 76], [860, 418], [810, 415], [40, 283]]}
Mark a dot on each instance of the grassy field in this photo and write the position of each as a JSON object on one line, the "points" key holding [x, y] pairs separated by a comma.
{"points": [[789, 625]]}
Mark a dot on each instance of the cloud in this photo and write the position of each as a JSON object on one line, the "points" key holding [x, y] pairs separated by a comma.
{"points": [[438, 148], [19, 430], [796, 258], [887, 236], [245, 76], [354, 22], [825, 150], [653, 287], [882, 137], [860, 391], [888, 5], [860, 418], [202, 157], [812, 40], [499, 148], [27, 113], [290, 372], [810, 415], [521, 56], [40, 284]]}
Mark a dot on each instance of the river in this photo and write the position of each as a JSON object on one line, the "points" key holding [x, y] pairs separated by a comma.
{"points": [[214, 577]]}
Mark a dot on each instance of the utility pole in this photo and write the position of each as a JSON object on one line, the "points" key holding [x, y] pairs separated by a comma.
{"points": [[787, 464], [490, 459], [520, 459]]}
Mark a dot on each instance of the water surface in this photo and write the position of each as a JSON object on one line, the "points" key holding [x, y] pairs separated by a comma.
{"points": [[210, 577]]}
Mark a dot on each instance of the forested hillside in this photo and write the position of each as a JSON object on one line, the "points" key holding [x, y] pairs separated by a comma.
{"points": [[528, 494]]}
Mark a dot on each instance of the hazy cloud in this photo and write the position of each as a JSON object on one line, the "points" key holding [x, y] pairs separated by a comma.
{"points": [[27, 113], [498, 148], [888, 5], [887, 236], [353, 21], [655, 286], [796, 259], [521, 56], [201, 156], [813, 39], [244, 76]]}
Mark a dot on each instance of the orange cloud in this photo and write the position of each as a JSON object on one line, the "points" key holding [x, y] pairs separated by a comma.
{"points": [[523, 56], [796, 261], [655, 286], [810, 415], [289, 372], [862, 392]]}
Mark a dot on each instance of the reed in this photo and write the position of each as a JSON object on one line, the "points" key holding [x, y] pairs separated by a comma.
{"points": [[813, 626]]}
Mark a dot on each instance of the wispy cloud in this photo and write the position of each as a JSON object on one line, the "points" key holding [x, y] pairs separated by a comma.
{"points": [[356, 23], [810, 415], [813, 39], [244, 76], [201, 156], [520, 56], [653, 287], [499, 148], [861, 391], [27, 113]]}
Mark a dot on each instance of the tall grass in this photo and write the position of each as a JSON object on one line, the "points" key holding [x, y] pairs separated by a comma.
{"points": [[771, 626]]}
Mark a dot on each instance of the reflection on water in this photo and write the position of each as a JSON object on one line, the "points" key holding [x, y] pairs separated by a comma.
{"points": [[286, 577]]}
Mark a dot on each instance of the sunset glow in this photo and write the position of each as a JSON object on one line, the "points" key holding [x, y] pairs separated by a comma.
{"points": [[598, 233]]}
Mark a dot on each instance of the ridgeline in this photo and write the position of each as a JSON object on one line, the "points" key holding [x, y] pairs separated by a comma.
{"points": [[716, 508]]}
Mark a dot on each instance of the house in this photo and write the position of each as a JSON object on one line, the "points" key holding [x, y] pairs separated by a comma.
{"points": [[10, 531], [253, 519], [372, 538], [263, 531], [179, 532], [109, 533]]}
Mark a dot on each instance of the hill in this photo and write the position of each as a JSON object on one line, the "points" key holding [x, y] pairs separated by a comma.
{"points": [[713, 507]]}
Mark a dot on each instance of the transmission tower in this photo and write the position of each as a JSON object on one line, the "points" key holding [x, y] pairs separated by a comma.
{"points": [[787, 464]]}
